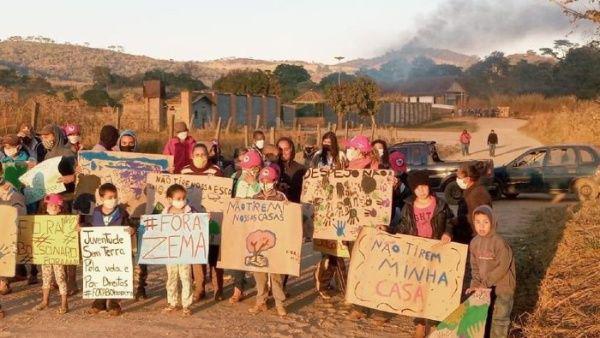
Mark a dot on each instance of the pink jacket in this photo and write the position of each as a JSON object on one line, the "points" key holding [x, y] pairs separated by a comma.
{"points": [[465, 138], [181, 152]]}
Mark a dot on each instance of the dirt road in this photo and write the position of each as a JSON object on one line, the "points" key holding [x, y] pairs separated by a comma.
{"points": [[309, 315]]}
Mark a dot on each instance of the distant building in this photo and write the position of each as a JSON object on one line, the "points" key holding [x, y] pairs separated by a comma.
{"points": [[441, 90]]}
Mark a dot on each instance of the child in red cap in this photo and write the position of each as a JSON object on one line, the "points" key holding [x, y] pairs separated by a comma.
{"points": [[360, 153], [268, 178], [54, 206], [73, 133]]}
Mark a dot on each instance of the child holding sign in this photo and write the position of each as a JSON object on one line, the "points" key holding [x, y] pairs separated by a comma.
{"points": [[109, 213], [492, 266], [268, 177], [176, 195], [54, 206], [424, 215]]}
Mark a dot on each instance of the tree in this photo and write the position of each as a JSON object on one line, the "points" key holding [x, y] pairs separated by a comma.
{"points": [[101, 76], [561, 47], [365, 96], [293, 80], [340, 99], [578, 73], [529, 78], [255, 82], [332, 80], [97, 98], [489, 76], [577, 10]]}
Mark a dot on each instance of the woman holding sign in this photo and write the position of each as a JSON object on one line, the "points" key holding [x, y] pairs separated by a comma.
{"points": [[424, 215], [201, 166]]}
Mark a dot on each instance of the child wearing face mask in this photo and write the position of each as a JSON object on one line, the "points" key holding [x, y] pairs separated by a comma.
{"points": [[381, 149], [109, 213], [245, 185], [259, 141], [54, 206], [474, 195], [73, 132], [360, 153], [180, 147], [268, 191], [176, 195], [13, 150]]}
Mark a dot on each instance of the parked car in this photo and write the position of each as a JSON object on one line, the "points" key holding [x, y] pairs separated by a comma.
{"points": [[423, 155], [552, 169]]}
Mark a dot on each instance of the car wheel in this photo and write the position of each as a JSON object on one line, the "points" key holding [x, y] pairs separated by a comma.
{"points": [[453, 193], [586, 189], [509, 192], [496, 193]]}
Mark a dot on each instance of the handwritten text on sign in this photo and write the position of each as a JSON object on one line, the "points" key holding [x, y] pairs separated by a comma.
{"points": [[107, 266], [174, 239], [8, 240], [346, 200], [209, 194], [262, 236], [45, 239], [407, 275]]}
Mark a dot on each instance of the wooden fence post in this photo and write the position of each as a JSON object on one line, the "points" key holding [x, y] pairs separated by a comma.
{"points": [[228, 125], [346, 127], [218, 131], [318, 132], [246, 136], [361, 129], [34, 115], [171, 126], [257, 122], [272, 135]]}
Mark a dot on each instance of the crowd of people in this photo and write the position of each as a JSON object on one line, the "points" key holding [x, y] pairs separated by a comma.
{"points": [[266, 172]]}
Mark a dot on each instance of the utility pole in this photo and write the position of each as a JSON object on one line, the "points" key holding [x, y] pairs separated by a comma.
{"points": [[339, 59]]}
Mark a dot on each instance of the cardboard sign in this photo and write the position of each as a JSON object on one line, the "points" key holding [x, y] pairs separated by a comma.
{"points": [[407, 275], [262, 236], [45, 239], [42, 180], [8, 240], [127, 171], [205, 193], [173, 239], [468, 320], [107, 266], [344, 201], [13, 171], [330, 247]]}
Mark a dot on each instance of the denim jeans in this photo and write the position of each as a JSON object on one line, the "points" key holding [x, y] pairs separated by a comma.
{"points": [[492, 147], [501, 316], [465, 149]]}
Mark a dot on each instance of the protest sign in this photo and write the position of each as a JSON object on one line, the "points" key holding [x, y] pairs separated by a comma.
{"points": [[127, 171], [13, 171], [331, 247], [344, 201], [45, 239], [173, 239], [468, 320], [205, 193], [107, 263], [8, 240], [262, 236], [42, 180], [407, 275]]}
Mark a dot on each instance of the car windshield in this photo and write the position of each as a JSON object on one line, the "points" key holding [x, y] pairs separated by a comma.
{"points": [[531, 159]]}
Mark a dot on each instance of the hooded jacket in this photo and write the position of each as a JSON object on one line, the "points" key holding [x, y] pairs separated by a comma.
{"points": [[131, 133], [473, 197], [492, 260], [181, 151], [439, 221], [69, 158]]}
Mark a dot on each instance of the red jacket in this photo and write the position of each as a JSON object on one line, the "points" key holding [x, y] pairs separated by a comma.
{"points": [[181, 152], [465, 138]]}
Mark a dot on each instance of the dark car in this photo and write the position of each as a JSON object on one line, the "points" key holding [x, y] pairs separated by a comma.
{"points": [[423, 155], [552, 169]]}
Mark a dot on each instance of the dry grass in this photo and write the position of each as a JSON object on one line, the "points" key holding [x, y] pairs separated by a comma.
{"points": [[568, 304], [580, 125], [530, 104]]}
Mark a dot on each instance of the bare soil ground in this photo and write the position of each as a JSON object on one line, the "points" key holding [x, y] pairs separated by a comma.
{"points": [[308, 314]]}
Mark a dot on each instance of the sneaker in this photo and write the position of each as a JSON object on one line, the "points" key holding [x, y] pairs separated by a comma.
{"points": [[186, 312], [115, 312], [169, 309], [93, 311], [199, 296], [62, 310], [257, 309], [218, 296], [237, 296], [41, 307], [5, 289]]}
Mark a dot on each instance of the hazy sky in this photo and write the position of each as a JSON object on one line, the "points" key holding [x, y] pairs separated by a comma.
{"points": [[289, 29]]}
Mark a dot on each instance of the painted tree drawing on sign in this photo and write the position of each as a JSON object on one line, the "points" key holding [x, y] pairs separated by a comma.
{"points": [[258, 242]]}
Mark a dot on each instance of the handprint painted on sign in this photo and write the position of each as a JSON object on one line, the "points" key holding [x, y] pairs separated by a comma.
{"points": [[340, 228], [258, 242]]}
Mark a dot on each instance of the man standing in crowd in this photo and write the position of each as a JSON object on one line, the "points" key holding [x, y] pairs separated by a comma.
{"points": [[465, 142], [492, 141]]}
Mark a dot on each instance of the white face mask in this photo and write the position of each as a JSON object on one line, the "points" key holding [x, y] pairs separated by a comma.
{"points": [[461, 183], [110, 203], [183, 135], [74, 139], [11, 152], [267, 186], [260, 144], [380, 152], [178, 204], [352, 154]]}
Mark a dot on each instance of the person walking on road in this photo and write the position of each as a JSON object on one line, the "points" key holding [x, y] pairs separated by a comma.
{"points": [[492, 141], [465, 141]]}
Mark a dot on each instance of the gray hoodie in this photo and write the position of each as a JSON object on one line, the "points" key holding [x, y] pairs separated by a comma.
{"points": [[492, 260], [127, 132], [69, 158]]}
